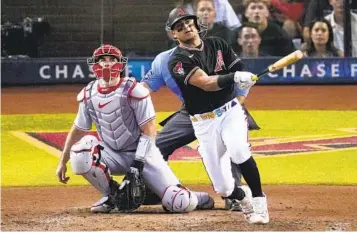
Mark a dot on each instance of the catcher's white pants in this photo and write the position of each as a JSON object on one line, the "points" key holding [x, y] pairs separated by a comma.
{"points": [[222, 139], [156, 173]]}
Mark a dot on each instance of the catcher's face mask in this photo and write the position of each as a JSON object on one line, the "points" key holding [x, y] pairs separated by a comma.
{"points": [[107, 63]]}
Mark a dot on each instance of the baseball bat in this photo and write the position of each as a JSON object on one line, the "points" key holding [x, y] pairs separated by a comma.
{"points": [[283, 62]]}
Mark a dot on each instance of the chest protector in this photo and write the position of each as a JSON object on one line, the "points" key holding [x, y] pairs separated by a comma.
{"points": [[113, 116]]}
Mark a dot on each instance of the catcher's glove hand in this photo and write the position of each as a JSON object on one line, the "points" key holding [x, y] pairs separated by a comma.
{"points": [[131, 193]]}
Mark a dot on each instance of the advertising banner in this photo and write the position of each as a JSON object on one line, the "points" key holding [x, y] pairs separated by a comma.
{"points": [[76, 70]]}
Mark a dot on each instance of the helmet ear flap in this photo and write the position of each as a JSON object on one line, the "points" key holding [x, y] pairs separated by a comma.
{"points": [[167, 27]]}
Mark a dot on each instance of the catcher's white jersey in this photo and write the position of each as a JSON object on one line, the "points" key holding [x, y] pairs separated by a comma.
{"points": [[117, 115]]}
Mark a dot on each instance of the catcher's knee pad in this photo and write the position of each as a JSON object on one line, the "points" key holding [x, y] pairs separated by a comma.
{"points": [[178, 199], [81, 154], [85, 157]]}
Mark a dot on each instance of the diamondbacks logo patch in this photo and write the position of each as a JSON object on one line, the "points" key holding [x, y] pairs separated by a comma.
{"points": [[178, 69], [219, 62]]}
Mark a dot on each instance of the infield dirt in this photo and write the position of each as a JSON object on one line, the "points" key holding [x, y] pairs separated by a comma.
{"points": [[291, 207]]}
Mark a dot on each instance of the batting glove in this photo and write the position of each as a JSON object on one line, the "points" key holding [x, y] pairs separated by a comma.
{"points": [[244, 80]]}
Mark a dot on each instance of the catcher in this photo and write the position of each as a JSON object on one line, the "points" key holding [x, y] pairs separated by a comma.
{"points": [[124, 116]]}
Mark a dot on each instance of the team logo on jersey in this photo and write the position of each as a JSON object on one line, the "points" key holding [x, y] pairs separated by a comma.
{"points": [[178, 69], [220, 62], [104, 104]]}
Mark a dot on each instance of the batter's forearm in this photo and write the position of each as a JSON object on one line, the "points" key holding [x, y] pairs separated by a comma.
{"points": [[211, 84], [74, 135], [218, 82]]}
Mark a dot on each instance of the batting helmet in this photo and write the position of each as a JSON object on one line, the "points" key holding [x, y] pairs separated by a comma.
{"points": [[178, 14]]}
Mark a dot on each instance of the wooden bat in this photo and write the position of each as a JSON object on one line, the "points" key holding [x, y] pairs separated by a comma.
{"points": [[283, 62]]}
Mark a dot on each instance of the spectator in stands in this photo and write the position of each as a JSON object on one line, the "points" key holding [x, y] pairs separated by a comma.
{"points": [[249, 40], [226, 15], [275, 41], [320, 44], [337, 22], [224, 12], [290, 13], [207, 14], [317, 9]]}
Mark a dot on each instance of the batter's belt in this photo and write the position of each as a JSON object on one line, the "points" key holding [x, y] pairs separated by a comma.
{"points": [[215, 113]]}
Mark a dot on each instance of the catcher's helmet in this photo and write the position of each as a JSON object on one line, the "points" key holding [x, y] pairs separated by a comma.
{"points": [[180, 13], [107, 73]]}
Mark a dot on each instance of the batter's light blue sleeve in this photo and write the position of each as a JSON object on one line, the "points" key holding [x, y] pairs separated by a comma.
{"points": [[154, 78], [241, 92]]}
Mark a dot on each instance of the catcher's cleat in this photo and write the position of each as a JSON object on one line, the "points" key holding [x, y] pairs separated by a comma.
{"points": [[209, 204], [151, 198], [104, 205], [232, 205]]}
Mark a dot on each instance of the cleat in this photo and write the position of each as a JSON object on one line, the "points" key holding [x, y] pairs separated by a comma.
{"points": [[246, 205], [260, 214], [233, 205], [104, 205], [151, 198]]}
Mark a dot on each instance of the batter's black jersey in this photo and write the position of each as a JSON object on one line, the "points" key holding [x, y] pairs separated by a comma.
{"points": [[215, 57]]}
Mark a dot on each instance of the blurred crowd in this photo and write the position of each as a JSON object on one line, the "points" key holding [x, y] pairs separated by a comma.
{"points": [[23, 38], [277, 27], [252, 27]]}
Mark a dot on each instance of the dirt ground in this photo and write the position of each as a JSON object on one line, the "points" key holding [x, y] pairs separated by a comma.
{"points": [[62, 99], [291, 207]]}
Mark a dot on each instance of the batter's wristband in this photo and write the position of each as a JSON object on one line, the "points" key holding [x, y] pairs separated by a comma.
{"points": [[225, 80]]}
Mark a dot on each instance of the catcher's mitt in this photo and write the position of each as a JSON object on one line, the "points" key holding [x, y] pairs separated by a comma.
{"points": [[131, 193]]}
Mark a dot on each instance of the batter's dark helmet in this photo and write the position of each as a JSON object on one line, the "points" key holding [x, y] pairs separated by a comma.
{"points": [[180, 13]]}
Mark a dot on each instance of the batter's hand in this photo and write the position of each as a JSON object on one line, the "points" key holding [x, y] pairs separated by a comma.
{"points": [[61, 173], [244, 80]]}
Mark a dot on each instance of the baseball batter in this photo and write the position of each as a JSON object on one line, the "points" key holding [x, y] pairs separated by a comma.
{"points": [[178, 130], [206, 71], [124, 116]]}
